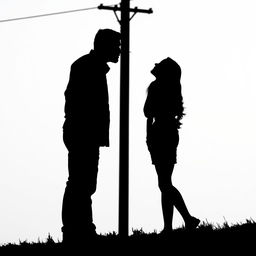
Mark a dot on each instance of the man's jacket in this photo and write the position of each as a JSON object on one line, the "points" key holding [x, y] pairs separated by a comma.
{"points": [[87, 108]]}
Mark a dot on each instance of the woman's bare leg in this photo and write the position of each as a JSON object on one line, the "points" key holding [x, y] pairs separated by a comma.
{"points": [[171, 197]]}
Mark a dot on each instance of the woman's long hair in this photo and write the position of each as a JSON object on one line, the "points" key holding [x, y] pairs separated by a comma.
{"points": [[168, 77]]}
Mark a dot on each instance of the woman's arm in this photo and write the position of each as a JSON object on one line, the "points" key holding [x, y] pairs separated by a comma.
{"points": [[148, 106]]}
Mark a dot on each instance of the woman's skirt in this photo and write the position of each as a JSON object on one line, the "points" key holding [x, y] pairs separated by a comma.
{"points": [[162, 142]]}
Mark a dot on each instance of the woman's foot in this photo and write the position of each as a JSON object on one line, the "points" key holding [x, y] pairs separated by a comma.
{"points": [[192, 223], [166, 232]]}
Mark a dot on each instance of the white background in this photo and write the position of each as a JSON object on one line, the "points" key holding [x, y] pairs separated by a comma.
{"points": [[215, 44]]}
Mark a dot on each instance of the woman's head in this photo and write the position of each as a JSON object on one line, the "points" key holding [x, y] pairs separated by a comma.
{"points": [[167, 68], [168, 74]]}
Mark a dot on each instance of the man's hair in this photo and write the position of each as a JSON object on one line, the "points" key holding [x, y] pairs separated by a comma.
{"points": [[105, 38]]}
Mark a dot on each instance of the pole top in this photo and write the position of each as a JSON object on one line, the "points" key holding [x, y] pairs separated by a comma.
{"points": [[118, 8]]}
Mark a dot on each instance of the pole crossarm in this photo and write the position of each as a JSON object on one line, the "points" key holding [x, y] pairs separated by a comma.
{"points": [[118, 8]]}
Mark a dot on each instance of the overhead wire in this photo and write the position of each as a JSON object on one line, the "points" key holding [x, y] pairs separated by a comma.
{"points": [[49, 14]]}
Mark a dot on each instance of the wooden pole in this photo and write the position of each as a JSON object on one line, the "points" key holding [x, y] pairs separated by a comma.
{"points": [[123, 221], [124, 121]]}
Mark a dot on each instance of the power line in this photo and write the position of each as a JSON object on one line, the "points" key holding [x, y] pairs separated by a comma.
{"points": [[49, 14]]}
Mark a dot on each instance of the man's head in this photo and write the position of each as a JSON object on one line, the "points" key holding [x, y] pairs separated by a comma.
{"points": [[107, 44]]}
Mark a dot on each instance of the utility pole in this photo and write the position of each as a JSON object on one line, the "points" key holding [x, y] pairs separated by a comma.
{"points": [[123, 222]]}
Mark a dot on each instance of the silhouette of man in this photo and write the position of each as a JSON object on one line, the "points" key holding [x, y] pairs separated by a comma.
{"points": [[85, 130]]}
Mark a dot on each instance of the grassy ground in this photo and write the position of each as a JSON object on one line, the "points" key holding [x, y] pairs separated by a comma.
{"points": [[207, 239]]}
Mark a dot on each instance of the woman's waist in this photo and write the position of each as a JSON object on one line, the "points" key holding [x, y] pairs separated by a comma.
{"points": [[165, 119]]}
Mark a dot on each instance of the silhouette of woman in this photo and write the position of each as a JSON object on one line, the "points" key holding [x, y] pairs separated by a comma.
{"points": [[164, 110]]}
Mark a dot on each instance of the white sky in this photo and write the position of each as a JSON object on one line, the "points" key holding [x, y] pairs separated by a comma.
{"points": [[215, 44]]}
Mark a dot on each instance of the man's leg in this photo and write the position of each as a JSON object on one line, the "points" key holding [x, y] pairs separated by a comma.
{"points": [[77, 204]]}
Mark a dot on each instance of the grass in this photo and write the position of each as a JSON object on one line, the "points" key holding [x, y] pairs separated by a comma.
{"points": [[206, 238]]}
